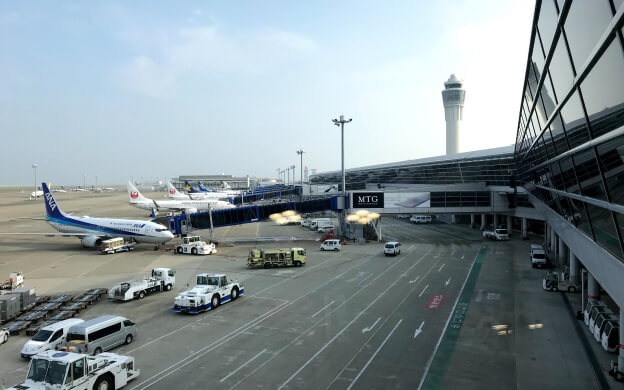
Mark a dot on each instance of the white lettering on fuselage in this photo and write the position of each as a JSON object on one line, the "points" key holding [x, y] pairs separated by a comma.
{"points": [[51, 201]]}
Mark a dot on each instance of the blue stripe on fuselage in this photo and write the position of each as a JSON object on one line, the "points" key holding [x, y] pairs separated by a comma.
{"points": [[85, 225]]}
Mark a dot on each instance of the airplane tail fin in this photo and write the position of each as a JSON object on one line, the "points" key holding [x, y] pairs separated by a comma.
{"points": [[134, 193], [173, 192], [226, 186], [201, 187], [52, 209]]}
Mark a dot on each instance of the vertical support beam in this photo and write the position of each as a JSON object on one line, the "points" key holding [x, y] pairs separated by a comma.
{"points": [[472, 221], [483, 220], [574, 266], [562, 257], [593, 288], [553, 241], [525, 229], [495, 220], [509, 225], [620, 349], [453, 219], [546, 235]]}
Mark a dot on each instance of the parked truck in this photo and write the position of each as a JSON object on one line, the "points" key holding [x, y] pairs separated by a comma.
{"points": [[195, 246], [283, 257], [67, 370], [162, 279], [210, 291], [15, 280], [496, 234]]}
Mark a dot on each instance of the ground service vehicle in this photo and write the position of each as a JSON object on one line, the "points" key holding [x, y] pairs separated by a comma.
{"points": [[195, 246], [496, 234], [392, 248], [100, 334], [16, 279], [115, 245], [314, 224], [538, 256], [284, 257], [610, 339], [420, 219], [162, 279], [66, 370], [4, 335], [326, 228], [305, 222], [331, 245], [601, 321], [588, 308], [48, 337], [211, 291], [555, 281], [593, 315]]}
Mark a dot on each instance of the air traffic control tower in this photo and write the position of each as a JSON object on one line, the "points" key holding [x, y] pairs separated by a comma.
{"points": [[453, 98]]}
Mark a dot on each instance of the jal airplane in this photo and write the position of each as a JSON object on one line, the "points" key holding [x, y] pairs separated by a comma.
{"points": [[183, 205], [92, 231]]}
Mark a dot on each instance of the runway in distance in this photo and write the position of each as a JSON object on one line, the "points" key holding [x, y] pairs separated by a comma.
{"points": [[187, 206], [92, 231]]}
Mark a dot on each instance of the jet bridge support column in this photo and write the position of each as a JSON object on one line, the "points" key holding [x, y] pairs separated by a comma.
{"points": [[509, 225], [562, 256], [524, 231], [574, 266], [495, 220], [483, 220], [472, 220], [620, 346], [593, 288]]}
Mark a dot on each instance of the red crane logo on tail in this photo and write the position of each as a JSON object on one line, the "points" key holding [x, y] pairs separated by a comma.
{"points": [[134, 194], [172, 191]]}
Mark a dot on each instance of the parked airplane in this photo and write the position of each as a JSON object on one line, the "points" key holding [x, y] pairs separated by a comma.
{"points": [[173, 192], [62, 189], [187, 206], [95, 189], [92, 231], [203, 190]]}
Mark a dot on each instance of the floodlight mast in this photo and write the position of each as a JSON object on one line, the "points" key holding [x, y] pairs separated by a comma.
{"points": [[340, 123]]}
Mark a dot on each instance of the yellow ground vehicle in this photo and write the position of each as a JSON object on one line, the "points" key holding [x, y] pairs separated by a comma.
{"points": [[283, 257]]}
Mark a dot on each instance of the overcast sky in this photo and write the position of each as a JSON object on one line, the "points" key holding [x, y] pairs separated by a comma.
{"points": [[154, 89]]}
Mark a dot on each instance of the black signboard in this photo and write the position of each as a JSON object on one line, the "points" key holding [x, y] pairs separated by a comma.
{"points": [[368, 200]]}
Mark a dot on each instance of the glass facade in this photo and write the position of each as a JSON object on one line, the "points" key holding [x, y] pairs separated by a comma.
{"points": [[569, 149]]}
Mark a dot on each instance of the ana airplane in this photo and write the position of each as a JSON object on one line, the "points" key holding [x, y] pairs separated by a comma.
{"points": [[203, 190], [187, 206], [173, 193], [92, 231]]}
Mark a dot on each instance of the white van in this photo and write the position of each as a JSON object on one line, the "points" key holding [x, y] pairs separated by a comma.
{"points": [[538, 256], [420, 219], [315, 223], [331, 245], [48, 337], [392, 248], [100, 334]]}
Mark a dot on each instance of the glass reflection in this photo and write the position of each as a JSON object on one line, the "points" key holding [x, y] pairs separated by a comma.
{"points": [[584, 25], [611, 160], [561, 71], [604, 229], [603, 93], [547, 23], [574, 122]]}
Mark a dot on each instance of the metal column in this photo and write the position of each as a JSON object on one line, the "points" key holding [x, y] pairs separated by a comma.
{"points": [[472, 220], [562, 257], [593, 288], [495, 220], [483, 220], [525, 229], [509, 225]]}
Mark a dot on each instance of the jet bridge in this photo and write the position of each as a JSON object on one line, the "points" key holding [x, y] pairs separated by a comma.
{"points": [[264, 194], [185, 223]]}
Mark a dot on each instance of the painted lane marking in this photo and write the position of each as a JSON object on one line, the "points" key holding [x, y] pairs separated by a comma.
{"points": [[325, 307], [479, 295], [371, 327], [462, 258], [414, 281], [365, 279], [423, 291], [419, 330], [441, 267], [375, 354], [246, 363], [447, 282], [453, 253]]}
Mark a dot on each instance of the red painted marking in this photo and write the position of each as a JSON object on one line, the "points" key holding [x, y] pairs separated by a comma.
{"points": [[592, 297], [621, 346], [172, 191], [134, 194], [435, 302]]}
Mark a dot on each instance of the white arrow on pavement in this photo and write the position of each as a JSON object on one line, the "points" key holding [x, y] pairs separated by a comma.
{"points": [[463, 257], [419, 330], [448, 282], [414, 281], [371, 327]]}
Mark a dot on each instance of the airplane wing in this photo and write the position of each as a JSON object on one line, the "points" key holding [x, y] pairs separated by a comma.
{"points": [[30, 218]]}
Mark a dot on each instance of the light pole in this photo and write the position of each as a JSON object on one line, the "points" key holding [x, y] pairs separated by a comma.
{"points": [[292, 168], [340, 123], [84, 182], [34, 166], [278, 175], [300, 152]]}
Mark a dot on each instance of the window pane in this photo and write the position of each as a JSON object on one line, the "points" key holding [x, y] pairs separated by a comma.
{"points": [[584, 25], [537, 57], [559, 137], [611, 159], [604, 229], [567, 173], [589, 175], [561, 71], [574, 121], [580, 217], [547, 23], [603, 92]]}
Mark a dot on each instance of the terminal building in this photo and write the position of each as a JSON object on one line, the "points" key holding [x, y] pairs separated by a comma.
{"points": [[215, 182], [566, 168]]}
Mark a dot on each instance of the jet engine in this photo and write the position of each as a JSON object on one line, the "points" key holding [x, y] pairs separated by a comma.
{"points": [[91, 241]]}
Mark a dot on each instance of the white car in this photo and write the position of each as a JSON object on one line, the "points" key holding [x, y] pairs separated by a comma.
{"points": [[325, 229], [331, 245], [392, 248], [4, 335]]}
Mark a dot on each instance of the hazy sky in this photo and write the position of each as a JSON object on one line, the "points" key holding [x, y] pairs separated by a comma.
{"points": [[158, 89]]}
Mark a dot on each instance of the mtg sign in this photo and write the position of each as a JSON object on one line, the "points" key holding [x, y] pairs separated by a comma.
{"points": [[368, 200]]}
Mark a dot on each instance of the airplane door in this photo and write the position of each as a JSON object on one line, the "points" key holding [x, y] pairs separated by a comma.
{"points": [[148, 230]]}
